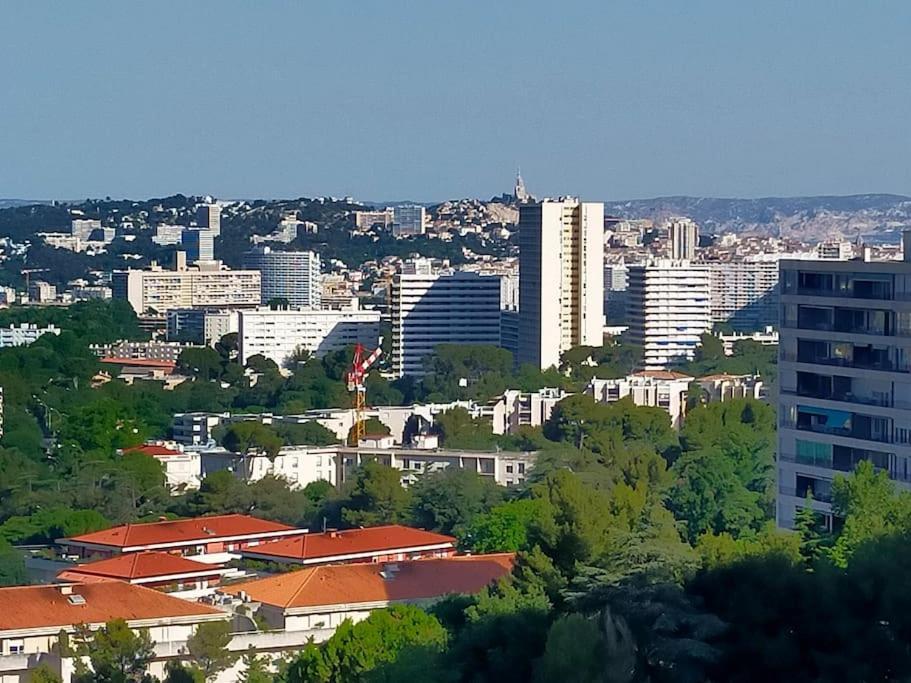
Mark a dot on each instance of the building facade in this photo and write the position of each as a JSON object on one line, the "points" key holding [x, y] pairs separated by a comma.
{"points": [[279, 334], [669, 310], [198, 244], [429, 310], [744, 294], [24, 334], [561, 279], [844, 377], [683, 238], [161, 290], [208, 217], [200, 325], [409, 220], [658, 389], [290, 275]]}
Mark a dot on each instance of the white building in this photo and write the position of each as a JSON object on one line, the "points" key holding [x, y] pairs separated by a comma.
{"points": [[837, 250], [290, 275], [365, 220], [409, 220], [744, 294], [209, 285], [168, 235], [429, 310], [683, 238], [768, 336], [82, 228], [278, 334], [42, 292], [298, 465], [208, 217], [198, 244], [24, 334], [724, 387], [669, 309], [655, 388], [561, 279], [200, 325], [514, 409]]}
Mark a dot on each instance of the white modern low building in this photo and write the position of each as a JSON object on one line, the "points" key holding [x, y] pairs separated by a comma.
{"points": [[24, 334], [669, 310], [655, 388], [514, 409], [279, 334]]}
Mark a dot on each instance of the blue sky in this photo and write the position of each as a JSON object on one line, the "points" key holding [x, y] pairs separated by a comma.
{"points": [[429, 99]]}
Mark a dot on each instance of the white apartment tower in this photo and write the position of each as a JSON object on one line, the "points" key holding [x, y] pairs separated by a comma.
{"points": [[429, 310], [208, 217], [290, 275], [668, 310], [744, 294], [683, 238], [561, 279], [844, 368]]}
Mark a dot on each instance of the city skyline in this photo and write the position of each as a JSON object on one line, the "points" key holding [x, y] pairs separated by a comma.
{"points": [[654, 101]]}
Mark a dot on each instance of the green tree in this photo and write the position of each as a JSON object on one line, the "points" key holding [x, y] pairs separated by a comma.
{"points": [[574, 651], [251, 436], [117, 653], [457, 429], [305, 433], [208, 648], [504, 528], [448, 500], [255, 669], [43, 673], [710, 349], [377, 497], [372, 427], [201, 362]]}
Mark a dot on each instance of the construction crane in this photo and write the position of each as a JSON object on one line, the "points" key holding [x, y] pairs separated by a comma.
{"points": [[360, 366]]}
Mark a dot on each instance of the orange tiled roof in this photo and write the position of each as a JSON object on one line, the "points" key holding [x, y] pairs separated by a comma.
{"points": [[661, 374], [153, 449], [336, 584], [35, 607], [721, 376], [140, 362], [330, 544], [181, 531], [136, 566]]}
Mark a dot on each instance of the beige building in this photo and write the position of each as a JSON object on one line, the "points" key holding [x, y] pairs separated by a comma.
{"points": [[205, 285], [561, 279], [658, 389]]}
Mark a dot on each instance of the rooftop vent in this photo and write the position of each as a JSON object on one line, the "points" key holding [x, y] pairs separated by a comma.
{"points": [[75, 599], [66, 590], [389, 571]]}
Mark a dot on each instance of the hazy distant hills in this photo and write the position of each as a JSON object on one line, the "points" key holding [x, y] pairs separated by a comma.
{"points": [[877, 216]]}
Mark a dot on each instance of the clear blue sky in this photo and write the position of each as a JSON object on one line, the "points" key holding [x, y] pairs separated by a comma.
{"points": [[432, 99]]}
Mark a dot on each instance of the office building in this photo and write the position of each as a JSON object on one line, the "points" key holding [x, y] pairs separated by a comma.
{"points": [[408, 220], [159, 290], [683, 238], [561, 279], [429, 310], [744, 294], [84, 227], [669, 310], [290, 275], [844, 376], [199, 245], [200, 325], [208, 217], [280, 334]]}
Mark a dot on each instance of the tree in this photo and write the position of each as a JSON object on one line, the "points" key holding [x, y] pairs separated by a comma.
{"points": [[504, 528], [710, 349], [176, 672], [118, 654], [574, 651], [305, 433], [43, 673], [377, 497], [372, 427], [457, 429], [252, 436], [356, 649], [448, 500], [208, 647], [254, 668], [809, 526], [201, 362], [12, 566]]}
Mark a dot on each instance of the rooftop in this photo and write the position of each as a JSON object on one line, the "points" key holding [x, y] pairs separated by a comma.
{"points": [[661, 374], [136, 566], [154, 450], [360, 583], [36, 607], [140, 362], [181, 531], [309, 548]]}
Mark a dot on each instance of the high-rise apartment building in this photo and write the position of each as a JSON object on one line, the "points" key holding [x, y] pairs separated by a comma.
{"points": [[429, 310], [290, 275], [279, 334], [561, 279], [198, 244], [408, 220], [668, 310], [683, 238], [844, 377], [744, 294], [616, 300], [159, 290], [208, 217]]}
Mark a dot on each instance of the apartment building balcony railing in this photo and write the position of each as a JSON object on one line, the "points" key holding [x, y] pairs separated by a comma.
{"points": [[791, 491], [881, 366], [876, 292]]}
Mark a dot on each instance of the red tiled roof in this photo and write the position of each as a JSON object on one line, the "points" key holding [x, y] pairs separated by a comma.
{"points": [[661, 374], [336, 584], [27, 607], [140, 362], [155, 450], [181, 531], [334, 544], [137, 566]]}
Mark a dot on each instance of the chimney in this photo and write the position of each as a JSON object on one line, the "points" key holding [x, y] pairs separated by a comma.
{"points": [[66, 589]]}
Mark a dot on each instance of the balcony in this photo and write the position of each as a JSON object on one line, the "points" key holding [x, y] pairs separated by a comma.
{"points": [[822, 497], [880, 365]]}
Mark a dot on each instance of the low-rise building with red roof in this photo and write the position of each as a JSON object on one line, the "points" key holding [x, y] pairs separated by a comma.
{"points": [[197, 536], [316, 600], [162, 571], [388, 543], [32, 618], [182, 469]]}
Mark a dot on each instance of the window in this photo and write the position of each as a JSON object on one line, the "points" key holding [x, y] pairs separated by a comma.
{"points": [[509, 469], [16, 647], [521, 468]]}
